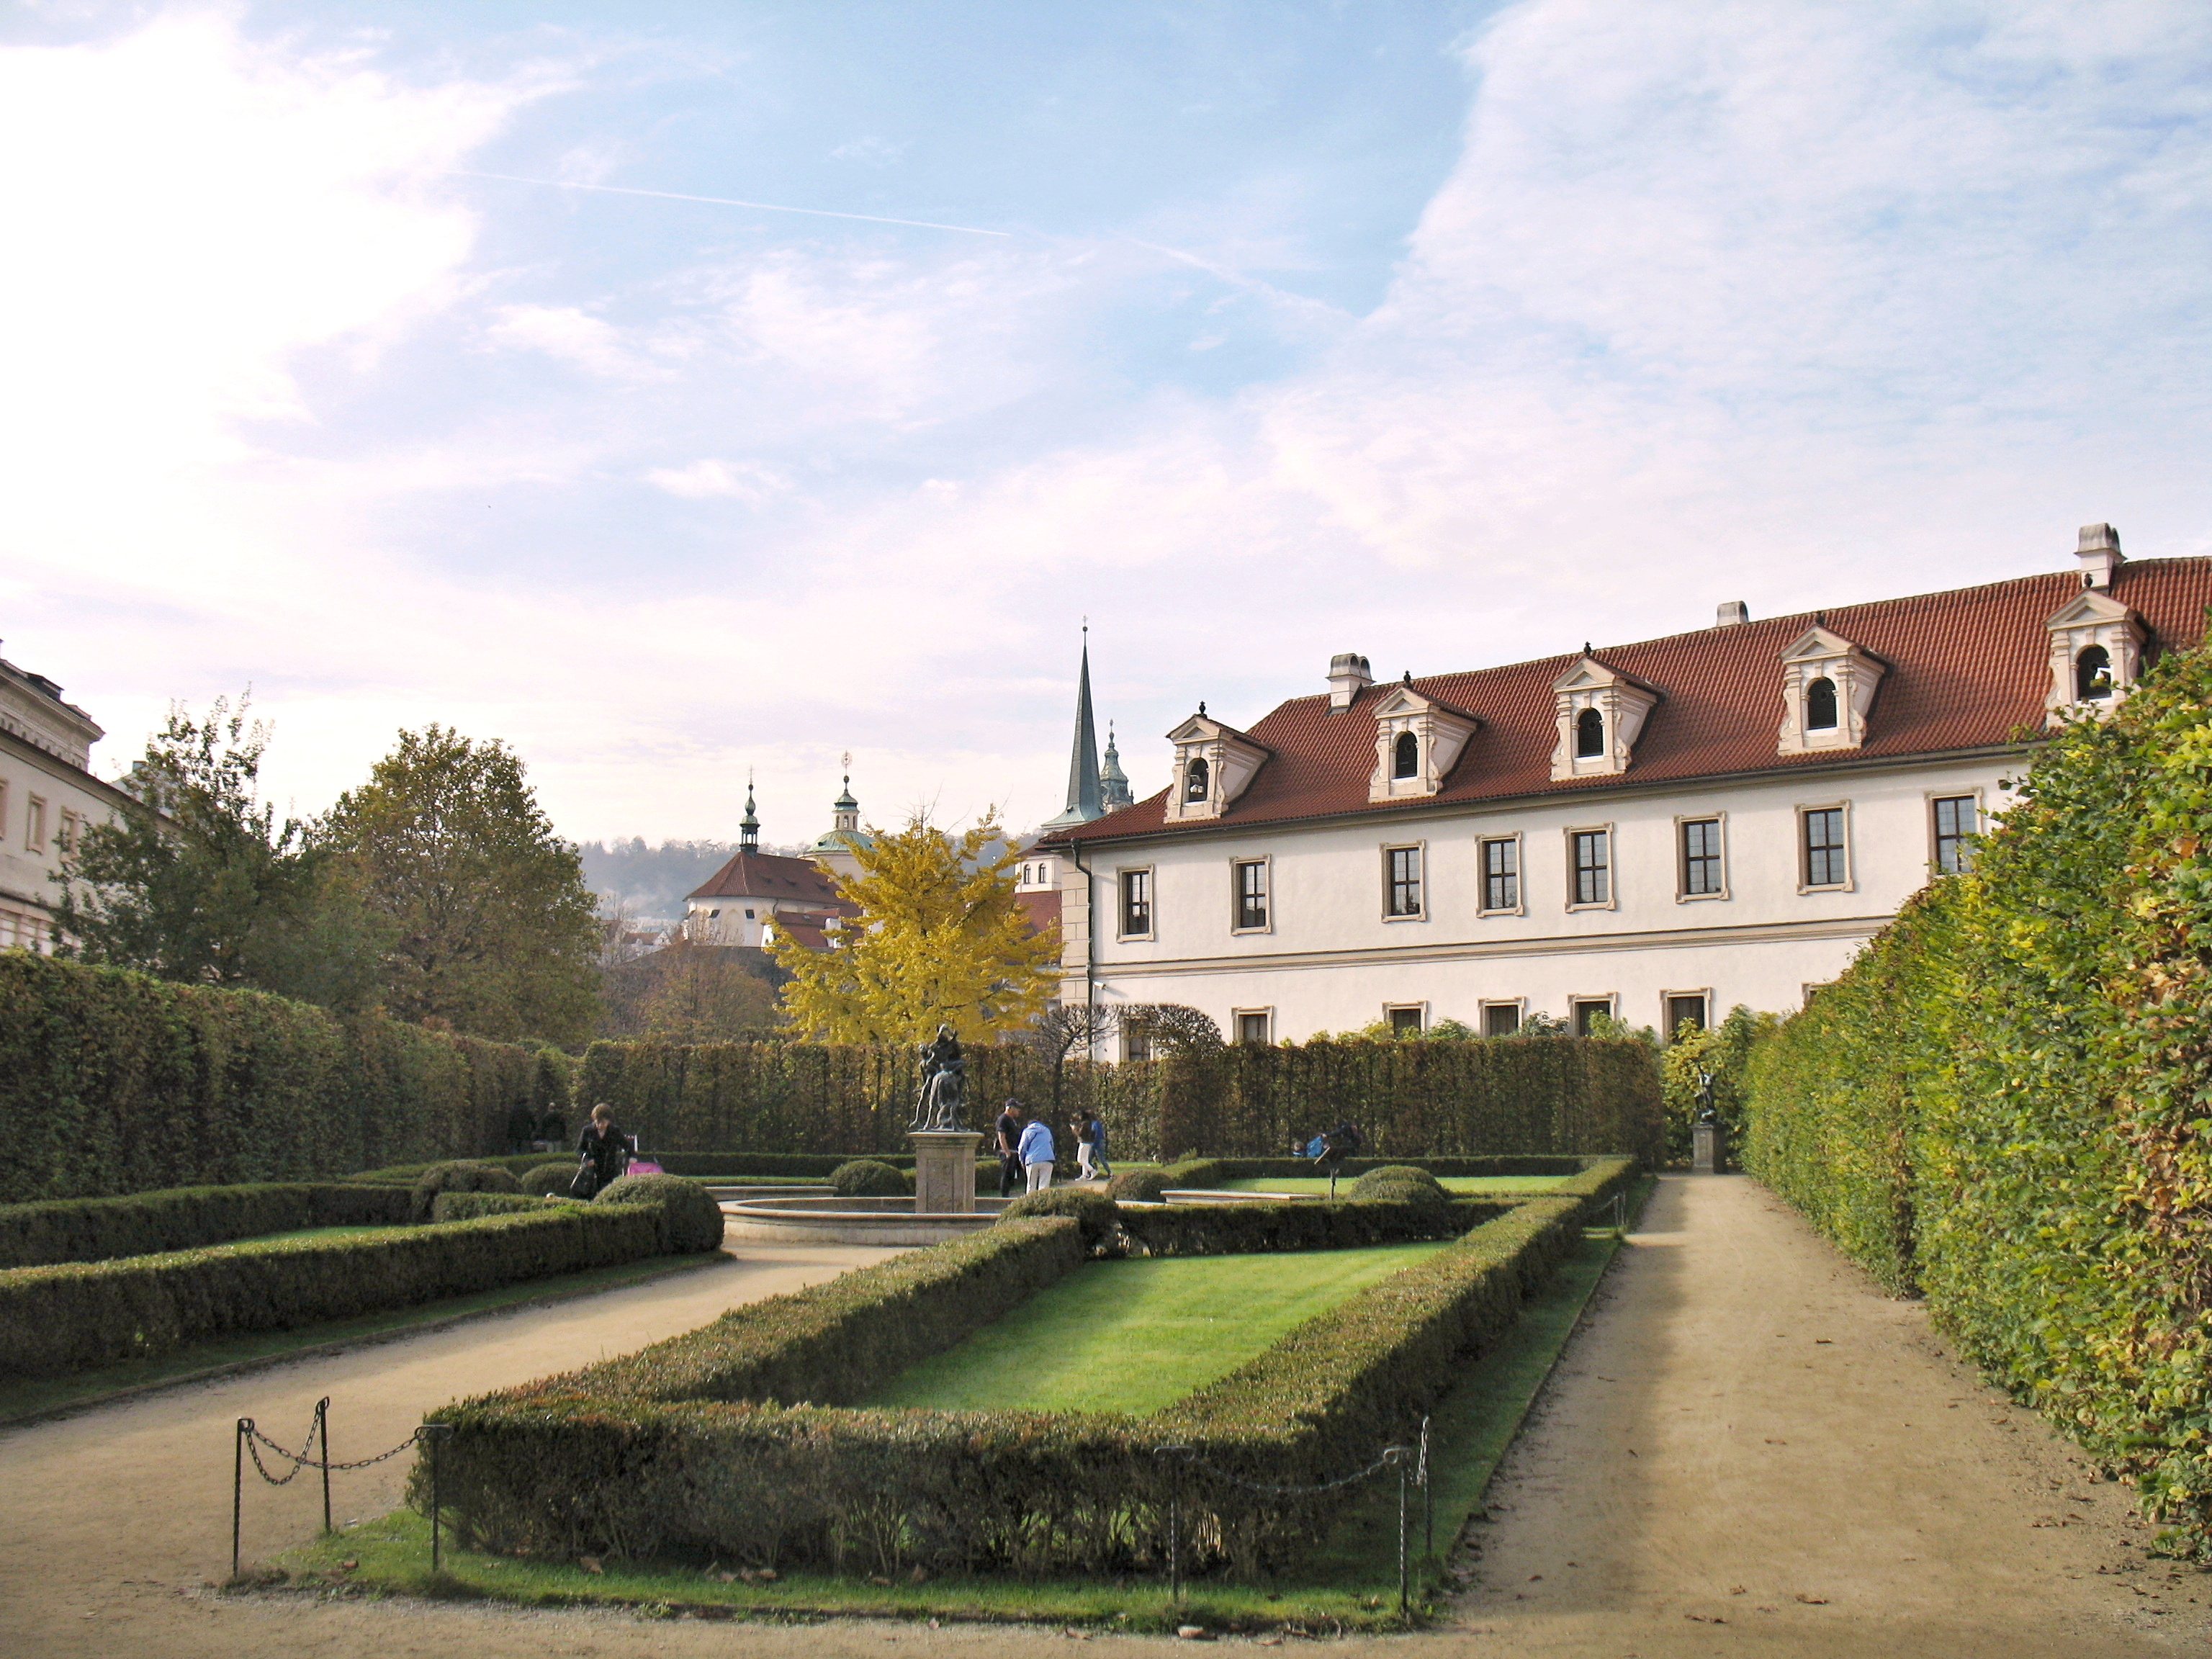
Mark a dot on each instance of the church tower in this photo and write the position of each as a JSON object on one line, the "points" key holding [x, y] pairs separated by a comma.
{"points": [[833, 850], [1083, 801]]}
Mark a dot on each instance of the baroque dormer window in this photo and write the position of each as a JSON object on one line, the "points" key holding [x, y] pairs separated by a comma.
{"points": [[1601, 714], [2096, 653], [1828, 688], [1214, 765], [1417, 741]]}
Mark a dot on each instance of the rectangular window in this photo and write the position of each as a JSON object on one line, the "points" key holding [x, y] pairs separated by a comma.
{"points": [[1136, 902], [1403, 868], [34, 825], [1701, 857], [1685, 1010], [1823, 847], [3, 809], [1957, 817], [1251, 893], [1252, 1025], [1586, 1011], [66, 837], [1136, 1040], [1500, 1018], [1501, 874], [1404, 1022], [1593, 854]]}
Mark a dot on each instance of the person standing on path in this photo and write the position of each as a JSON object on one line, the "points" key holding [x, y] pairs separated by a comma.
{"points": [[1009, 1132], [1037, 1154], [1090, 1147], [604, 1148]]}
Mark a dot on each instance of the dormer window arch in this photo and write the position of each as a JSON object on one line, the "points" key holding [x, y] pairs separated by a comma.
{"points": [[1827, 692], [1197, 778], [1213, 765], [1417, 741], [2096, 655], [1600, 714]]}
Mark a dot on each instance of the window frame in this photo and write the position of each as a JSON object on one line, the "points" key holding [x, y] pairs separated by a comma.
{"points": [[1238, 1016], [1582, 717], [1805, 883], [1667, 998], [34, 824], [1682, 823], [1136, 1034], [1237, 864], [1612, 899], [1419, 1010], [1398, 747], [4, 797], [1610, 1001], [1518, 1005], [1835, 720], [1419, 849], [1201, 768], [1482, 846], [1122, 874], [1936, 798]]}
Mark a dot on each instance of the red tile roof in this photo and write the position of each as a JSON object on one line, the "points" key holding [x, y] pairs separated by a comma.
{"points": [[1967, 670], [772, 876], [1042, 907]]}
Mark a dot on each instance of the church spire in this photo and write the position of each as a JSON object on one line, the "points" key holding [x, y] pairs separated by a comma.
{"points": [[749, 830], [1083, 801], [1113, 781]]}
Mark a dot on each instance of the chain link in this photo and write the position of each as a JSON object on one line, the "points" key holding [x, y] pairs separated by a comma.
{"points": [[305, 1458], [1390, 1455]]}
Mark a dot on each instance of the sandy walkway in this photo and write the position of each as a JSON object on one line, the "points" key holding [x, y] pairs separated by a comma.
{"points": [[1748, 1430]]}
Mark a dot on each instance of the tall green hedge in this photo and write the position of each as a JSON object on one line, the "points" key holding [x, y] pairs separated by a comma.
{"points": [[2007, 1102], [117, 1082], [1519, 1095], [185, 1218]]}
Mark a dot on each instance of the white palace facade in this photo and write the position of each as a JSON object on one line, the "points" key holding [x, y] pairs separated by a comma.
{"points": [[1655, 831]]}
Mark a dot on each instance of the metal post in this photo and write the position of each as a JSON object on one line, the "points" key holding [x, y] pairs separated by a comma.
{"points": [[433, 1432], [323, 1440], [237, 1484], [1429, 1490], [1174, 1534], [1404, 1601]]}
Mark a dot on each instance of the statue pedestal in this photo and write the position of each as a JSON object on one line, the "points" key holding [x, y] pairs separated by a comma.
{"points": [[945, 1170], [1706, 1153]]}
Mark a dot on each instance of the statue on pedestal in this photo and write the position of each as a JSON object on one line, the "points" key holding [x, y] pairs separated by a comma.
{"points": [[943, 1084]]}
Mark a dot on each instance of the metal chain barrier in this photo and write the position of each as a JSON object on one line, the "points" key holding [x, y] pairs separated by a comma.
{"points": [[249, 1441]]}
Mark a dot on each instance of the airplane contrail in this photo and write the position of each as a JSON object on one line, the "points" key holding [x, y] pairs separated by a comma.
{"points": [[726, 200]]}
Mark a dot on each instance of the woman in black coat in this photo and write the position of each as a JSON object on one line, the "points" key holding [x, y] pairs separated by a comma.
{"points": [[604, 1146]]}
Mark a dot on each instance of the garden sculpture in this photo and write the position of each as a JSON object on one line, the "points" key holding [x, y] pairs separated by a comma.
{"points": [[1705, 1112], [943, 1084]]}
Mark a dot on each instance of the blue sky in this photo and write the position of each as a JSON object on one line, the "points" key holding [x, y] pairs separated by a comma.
{"points": [[1450, 334]]}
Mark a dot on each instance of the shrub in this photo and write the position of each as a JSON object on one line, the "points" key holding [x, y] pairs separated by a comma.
{"points": [[1400, 1183], [462, 1176], [1138, 1186], [54, 1320], [684, 1447], [1091, 1210], [117, 1082], [865, 1178], [142, 1223], [470, 1206], [691, 1220], [548, 1180], [1248, 1228]]}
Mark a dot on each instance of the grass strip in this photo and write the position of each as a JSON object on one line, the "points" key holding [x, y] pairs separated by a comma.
{"points": [[1135, 1335], [25, 1399], [1349, 1585]]}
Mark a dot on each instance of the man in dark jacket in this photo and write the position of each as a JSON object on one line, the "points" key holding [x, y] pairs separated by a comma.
{"points": [[1009, 1132]]}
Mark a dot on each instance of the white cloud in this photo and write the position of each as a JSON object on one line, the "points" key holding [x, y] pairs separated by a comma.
{"points": [[571, 335], [750, 481]]}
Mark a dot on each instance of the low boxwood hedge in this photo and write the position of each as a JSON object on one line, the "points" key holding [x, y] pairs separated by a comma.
{"points": [[71, 1315], [469, 1207], [690, 1221], [459, 1176], [183, 1218], [868, 1177], [1249, 1229], [699, 1444]]}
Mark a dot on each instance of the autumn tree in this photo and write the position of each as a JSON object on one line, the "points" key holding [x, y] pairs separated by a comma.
{"points": [[196, 878], [492, 929], [940, 938]]}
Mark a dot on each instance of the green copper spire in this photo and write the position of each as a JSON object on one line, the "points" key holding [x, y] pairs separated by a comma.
{"points": [[1083, 801]]}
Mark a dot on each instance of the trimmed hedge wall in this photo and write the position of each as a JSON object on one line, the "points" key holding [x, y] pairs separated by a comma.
{"points": [[58, 1319], [2006, 1104], [117, 1082], [1249, 1229], [693, 1446], [183, 1218]]}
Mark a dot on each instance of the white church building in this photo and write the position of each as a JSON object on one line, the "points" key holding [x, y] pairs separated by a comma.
{"points": [[1655, 831]]}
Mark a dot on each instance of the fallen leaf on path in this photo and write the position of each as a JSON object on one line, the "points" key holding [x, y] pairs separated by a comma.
{"points": [[1737, 1589], [1705, 1619], [1813, 1601]]}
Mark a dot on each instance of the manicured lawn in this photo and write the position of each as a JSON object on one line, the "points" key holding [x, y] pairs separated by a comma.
{"points": [[1134, 1336], [1470, 1184]]}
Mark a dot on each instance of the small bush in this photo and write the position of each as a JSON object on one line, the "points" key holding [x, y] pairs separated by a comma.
{"points": [[1093, 1211], [691, 1220], [1398, 1183], [550, 1180], [865, 1178], [1138, 1186], [463, 1175]]}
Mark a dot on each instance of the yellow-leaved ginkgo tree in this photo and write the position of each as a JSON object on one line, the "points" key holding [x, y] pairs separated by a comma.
{"points": [[939, 939]]}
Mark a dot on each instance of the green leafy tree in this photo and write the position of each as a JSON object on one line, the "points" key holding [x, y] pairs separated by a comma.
{"points": [[491, 927], [940, 938], [197, 880]]}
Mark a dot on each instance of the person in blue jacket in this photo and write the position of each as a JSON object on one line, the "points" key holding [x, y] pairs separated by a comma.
{"points": [[1036, 1151]]}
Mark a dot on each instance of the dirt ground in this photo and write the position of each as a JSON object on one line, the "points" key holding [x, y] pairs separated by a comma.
{"points": [[1747, 1449]]}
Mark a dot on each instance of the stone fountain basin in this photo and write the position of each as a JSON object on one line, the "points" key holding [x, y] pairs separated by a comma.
{"points": [[832, 1220]]}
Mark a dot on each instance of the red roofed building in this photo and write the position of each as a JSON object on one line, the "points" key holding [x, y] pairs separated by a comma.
{"points": [[1656, 831], [757, 894]]}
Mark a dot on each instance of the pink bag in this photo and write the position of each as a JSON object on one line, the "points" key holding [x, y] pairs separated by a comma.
{"points": [[645, 1166]]}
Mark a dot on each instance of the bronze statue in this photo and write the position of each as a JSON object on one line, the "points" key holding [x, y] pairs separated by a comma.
{"points": [[943, 1084]]}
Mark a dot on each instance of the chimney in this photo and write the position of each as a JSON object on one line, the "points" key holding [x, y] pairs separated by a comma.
{"points": [[1348, 676], [1731, 613], [2101, 556]]}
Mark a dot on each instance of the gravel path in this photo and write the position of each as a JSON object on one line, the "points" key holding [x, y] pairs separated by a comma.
{"points": [[1749, 1449]]}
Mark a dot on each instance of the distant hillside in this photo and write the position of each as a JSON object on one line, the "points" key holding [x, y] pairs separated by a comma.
{"points": [[653, 880]]}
